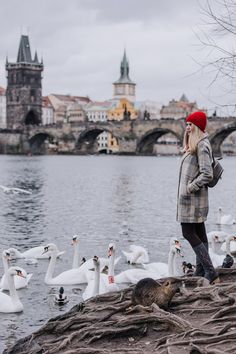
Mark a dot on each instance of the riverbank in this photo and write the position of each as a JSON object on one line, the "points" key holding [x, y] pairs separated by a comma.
{"points": [[201, 319]]}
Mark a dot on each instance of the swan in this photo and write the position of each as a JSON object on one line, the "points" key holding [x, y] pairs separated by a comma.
{"points": [[61, 299], [224, 219], [220, 234], [93, 286], [163, 269], [75, 244], [154, 270], [12, 190], [102, 283], [11, 303], [229, 246], [217, 259], [68, 277], [20, 282], [138, 255], [34, 252]]}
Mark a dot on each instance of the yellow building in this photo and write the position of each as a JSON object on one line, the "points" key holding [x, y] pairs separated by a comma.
{"points": [[123, 111], [112, 144]]}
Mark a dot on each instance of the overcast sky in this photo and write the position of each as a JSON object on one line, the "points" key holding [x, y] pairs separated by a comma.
{"points": [[82, 44]]}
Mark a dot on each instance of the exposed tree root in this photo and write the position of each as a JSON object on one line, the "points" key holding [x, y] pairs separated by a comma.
{"points": [[201, 319]]}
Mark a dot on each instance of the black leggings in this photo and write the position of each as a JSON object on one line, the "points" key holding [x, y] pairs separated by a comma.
{"points": [[194, 233]]}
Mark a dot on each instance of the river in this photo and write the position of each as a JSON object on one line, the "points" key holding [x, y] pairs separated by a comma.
{"points": [[124, 199]]}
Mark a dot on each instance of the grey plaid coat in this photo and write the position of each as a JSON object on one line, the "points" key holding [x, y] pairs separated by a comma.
{"points": [[195, 173]]}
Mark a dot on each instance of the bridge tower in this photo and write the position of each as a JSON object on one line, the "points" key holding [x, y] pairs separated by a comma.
{"points": [[124, 87], [24, 88]]}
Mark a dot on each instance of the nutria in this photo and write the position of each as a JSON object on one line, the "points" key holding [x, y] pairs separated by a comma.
{"points": [[148, 291]]}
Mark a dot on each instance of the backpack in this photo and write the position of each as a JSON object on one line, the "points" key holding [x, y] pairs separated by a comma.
{"points": [[217, 172]]}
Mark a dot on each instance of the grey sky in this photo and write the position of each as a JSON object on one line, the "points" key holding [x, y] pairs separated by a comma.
{"points": [[82, 43]]}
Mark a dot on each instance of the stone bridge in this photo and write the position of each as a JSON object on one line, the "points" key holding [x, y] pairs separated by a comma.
{"points": [[134, 137]]}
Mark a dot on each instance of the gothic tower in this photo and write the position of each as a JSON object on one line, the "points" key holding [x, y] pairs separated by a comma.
{"points": [[24, 88], [124, 87]]}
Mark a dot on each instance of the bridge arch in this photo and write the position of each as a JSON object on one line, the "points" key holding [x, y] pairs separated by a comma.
{"points": [[146, 142], [37, 142], [219, 136], [87, 139]]}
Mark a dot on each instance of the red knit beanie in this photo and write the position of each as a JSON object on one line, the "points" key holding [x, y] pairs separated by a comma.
{"points": [[199, 119]]}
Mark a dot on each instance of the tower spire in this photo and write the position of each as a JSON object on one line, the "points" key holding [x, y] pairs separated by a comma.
{"points": [[24, 52]]}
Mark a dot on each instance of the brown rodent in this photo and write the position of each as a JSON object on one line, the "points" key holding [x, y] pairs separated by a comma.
{"points": [[148, 291]]}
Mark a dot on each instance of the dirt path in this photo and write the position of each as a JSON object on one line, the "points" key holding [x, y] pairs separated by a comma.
{"points": [[201, 319]]}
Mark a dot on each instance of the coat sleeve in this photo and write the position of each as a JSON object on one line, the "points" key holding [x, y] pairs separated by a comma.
{"points": [[204, 157]]}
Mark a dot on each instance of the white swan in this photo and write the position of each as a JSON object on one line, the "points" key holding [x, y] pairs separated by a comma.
{"points": [[20, 282], [69, 277], [75, 244], [154, 270], [11, 303], [12, 190], [229, 246], [223, 219], [217, 259], [221, 235], [34, 252], [93, 286], [138, 255], [102, 283]]}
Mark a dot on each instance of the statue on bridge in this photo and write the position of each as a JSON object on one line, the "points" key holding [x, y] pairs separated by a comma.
{"points": [[127, 114]]}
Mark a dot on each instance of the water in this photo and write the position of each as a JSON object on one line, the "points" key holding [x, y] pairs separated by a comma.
{"points": [[128, 200]]}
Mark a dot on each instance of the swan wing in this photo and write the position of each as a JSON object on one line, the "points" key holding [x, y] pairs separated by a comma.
{"points": [[8, 306], [69, 277]]}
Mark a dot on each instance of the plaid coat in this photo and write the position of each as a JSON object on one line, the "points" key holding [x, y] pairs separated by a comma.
{"points": [[195, 173]]}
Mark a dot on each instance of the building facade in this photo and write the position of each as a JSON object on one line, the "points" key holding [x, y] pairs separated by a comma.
{"points": [[24, 88], [3, 121], [123, 109], [124, 87], [47, 112], [68, 109], [178, 109]]}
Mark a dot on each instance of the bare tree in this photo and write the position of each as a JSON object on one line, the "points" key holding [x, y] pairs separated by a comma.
{"points": [[219, 38]]}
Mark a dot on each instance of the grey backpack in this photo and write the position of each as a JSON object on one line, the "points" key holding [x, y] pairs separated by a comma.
{"points": [[217, 172]]}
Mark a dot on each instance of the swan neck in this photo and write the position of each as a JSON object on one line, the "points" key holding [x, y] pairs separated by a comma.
{"points": [[170, 263], [5, 265], [213, 245], [51, 266], [96, 280], [111, 264], [227, 246], [12, 288], [76, 257]]}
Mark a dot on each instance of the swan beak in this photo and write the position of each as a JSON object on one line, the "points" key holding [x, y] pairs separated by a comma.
{"points": [[110, 251], [234, 238], [20, 274]]}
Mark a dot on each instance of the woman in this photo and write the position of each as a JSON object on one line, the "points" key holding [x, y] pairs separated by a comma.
{"points": [[192, 207]]}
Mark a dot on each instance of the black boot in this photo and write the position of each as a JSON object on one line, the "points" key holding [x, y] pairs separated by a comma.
{"points": [[204, 258], [199, 272]]}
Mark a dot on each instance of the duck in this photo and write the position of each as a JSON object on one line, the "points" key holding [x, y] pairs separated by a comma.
{"points": [[102, 283], [32, 253], [188, 269], [61, 299], [20, 282], [223, 219], [11, 303], [69, 277]]}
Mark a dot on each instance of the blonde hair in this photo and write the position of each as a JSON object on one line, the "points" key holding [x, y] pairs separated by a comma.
{"points": [[191, 140]]}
